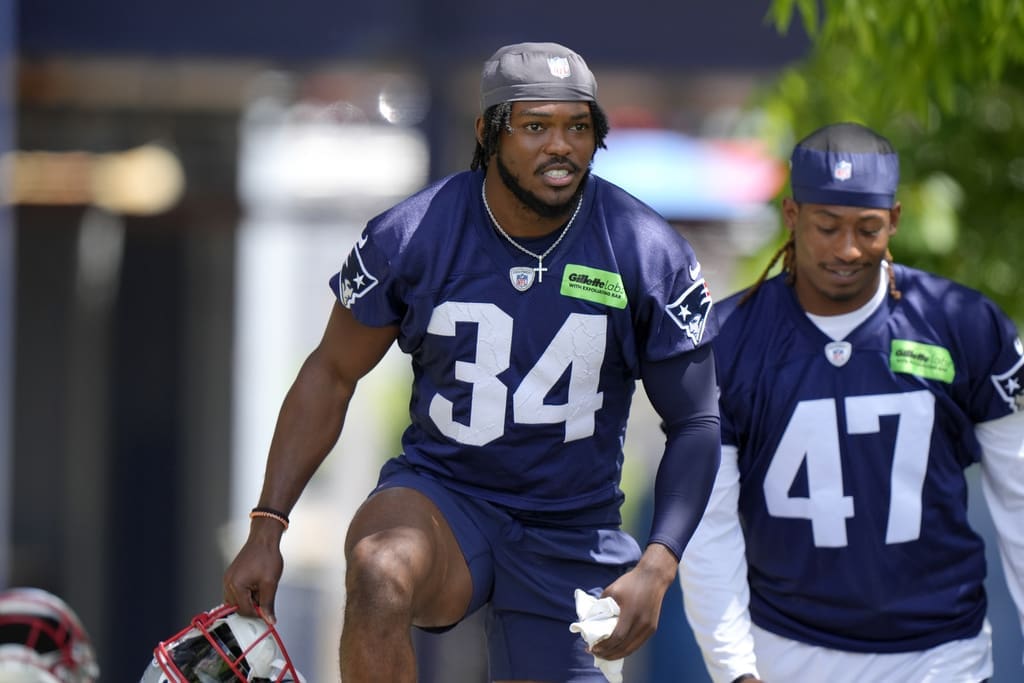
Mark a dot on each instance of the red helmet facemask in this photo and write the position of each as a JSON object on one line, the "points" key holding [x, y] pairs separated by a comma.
{"points": [[41, 634], [220, 646]]}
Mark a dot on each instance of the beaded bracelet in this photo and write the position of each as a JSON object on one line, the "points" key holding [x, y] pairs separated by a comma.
{"points": [[270, 513]]}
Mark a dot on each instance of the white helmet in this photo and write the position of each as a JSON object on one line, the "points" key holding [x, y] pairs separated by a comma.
{"points": [[220, 646], [42, 640]]}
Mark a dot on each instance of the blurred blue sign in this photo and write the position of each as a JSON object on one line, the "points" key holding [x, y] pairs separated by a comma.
{"points": [[686, 178]]}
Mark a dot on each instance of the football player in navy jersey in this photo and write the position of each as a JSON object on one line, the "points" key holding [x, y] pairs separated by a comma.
{"points": [[531, 296], [854, 392]]}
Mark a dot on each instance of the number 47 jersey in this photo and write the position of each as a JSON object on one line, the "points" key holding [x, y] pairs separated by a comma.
{"points": [[523, 372], [852, 458]]}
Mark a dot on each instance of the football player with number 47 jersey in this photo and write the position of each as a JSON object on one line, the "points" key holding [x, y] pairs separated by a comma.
{"points": [[854, 392], [531, 297]]}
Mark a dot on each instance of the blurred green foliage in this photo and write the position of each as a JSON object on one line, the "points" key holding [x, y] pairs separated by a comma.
{"points": [[944, 81]]}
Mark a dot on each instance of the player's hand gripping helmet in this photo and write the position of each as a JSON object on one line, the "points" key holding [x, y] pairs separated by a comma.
{"points": [[42, 640], [220, 646]]}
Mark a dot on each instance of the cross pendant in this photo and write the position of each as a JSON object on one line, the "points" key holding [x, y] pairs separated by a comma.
{"points": [[540, 270]]}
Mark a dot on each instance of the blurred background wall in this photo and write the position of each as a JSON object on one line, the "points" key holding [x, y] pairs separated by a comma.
{"points": [[7, 58], [182, 180]]}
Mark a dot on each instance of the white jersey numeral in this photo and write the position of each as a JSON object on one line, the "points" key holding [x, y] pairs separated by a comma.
{"points": [[812, 437], [578, 346], [493, 349]]}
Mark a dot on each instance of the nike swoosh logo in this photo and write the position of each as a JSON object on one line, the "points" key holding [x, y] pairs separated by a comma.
{"points": [[695, 271]]}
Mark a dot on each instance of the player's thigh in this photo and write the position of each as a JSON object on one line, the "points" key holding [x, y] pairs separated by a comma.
{"points": [[399, 534]]}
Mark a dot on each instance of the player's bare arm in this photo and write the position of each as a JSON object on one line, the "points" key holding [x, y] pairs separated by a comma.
{"points": [[308, 426]]}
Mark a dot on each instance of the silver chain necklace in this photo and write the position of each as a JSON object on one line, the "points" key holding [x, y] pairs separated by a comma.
{"points": [[539, 270]]}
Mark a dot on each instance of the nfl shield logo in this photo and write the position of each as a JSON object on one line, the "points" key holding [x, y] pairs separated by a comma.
{"points": [[838, 353], [843, 170], [521, 277], [559, 67]]}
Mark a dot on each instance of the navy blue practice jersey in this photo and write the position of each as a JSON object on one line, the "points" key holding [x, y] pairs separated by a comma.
{"points": [[522, 381], [851, 457]]}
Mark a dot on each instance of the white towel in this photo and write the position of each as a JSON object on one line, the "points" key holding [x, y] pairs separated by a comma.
{"points": [[597, 619]]}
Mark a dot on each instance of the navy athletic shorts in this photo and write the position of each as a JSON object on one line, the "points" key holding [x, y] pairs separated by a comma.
{"points": [[525, 574]]}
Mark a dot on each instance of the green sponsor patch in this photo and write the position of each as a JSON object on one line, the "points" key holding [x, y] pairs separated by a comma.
{"points": [[591, 284], [923, 360]]}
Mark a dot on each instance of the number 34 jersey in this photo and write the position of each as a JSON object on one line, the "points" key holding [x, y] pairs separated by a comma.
{"points": [[523, 378], [852, 458]]}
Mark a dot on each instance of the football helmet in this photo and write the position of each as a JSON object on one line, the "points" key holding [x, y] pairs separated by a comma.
{"points": [[220, 646], [42, 640]]}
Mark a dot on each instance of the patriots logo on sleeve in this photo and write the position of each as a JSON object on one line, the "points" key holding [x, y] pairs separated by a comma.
{"points": [[1010, 385], [354, 280], [690, 311]]}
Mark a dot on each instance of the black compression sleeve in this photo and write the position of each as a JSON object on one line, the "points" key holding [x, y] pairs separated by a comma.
{"points": [[683, 390]]}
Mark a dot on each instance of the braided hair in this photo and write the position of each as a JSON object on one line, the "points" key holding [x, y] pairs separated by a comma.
{"points": [[498, 118]]}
